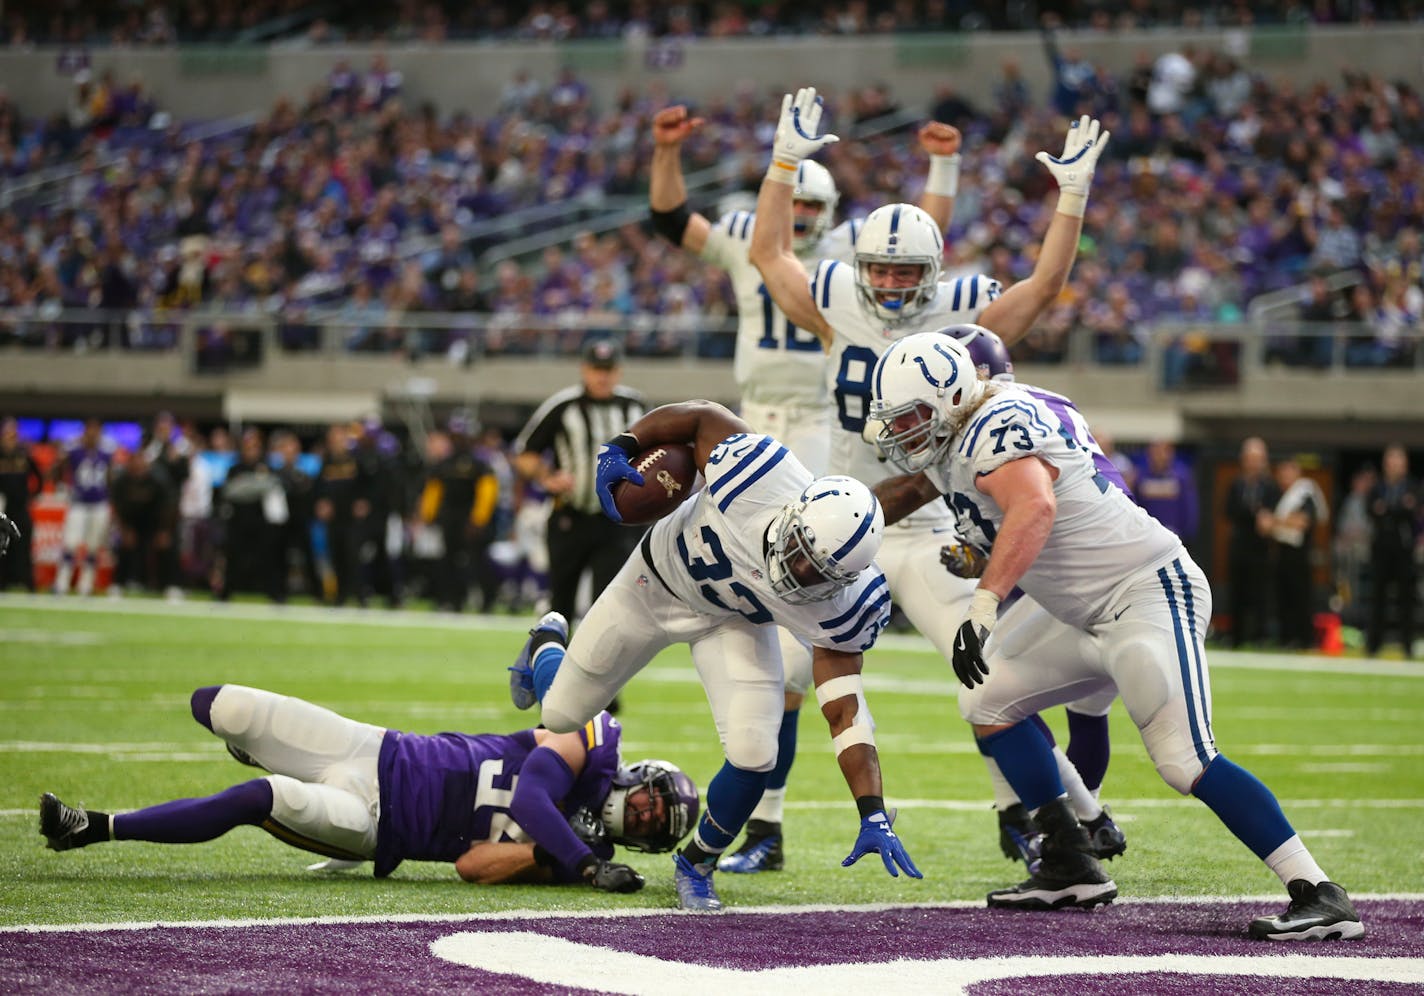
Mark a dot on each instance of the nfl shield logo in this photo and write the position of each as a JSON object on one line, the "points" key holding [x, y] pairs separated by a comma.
{"points": [[642, 581], [756, 574]]}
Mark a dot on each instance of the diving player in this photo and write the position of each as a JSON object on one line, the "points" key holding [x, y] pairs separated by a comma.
{"points": [[1136, 603], [763, 544], [530, 806], [779, 369], [892, 290]]}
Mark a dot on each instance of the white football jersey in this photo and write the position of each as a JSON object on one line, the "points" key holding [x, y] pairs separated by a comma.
{"points": [[776, 363], [1100, 537], [711, 552], [859, 340]]}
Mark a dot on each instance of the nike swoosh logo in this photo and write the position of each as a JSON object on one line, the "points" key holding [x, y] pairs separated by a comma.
{"points": [[959, 642], [1119, 614]]}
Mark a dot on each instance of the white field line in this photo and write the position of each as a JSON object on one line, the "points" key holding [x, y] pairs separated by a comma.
{"points": [[506, 915], [405, 619]]}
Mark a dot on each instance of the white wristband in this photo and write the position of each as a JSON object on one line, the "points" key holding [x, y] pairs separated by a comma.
{"points": [[1072, 202], [943, 178], [782, 172], [984, 608]]}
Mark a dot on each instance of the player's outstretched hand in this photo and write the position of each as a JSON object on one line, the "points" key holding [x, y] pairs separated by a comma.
{"points": [[612, 877], [876, 835], [1074, 169], [673, 125], [940, 139], [613, 466], [796, 132], [963, 560], [9, 533]]}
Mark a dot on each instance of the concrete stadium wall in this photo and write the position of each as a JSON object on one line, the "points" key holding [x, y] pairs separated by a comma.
{"points": [[214, 82]]}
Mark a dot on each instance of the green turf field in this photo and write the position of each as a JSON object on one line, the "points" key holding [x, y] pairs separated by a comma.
{"points": [[93, 706]]}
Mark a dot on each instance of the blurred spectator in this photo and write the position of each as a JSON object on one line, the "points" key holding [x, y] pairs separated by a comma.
{"points": [[85, 472], [294, 537], [1250, 502], [251, 508], [1165, 487], [460, 497], [341, 511], [1353, 533], [1394, 506], [1301, 507], [146, 518], [20, 482]]}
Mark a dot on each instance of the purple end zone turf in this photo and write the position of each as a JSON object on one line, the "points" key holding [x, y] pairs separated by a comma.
{"points": [[396, 957]]}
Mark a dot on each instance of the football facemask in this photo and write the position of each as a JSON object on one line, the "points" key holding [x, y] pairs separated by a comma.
{"points": [[822, 541], [898, 235], [670, 796], [922, 388]]}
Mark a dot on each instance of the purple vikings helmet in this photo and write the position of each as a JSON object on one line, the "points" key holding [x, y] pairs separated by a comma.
{"points": [[990, 356], [664, 780]]}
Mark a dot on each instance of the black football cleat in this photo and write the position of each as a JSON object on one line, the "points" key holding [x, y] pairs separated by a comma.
{"points": [[1320, 912], [62, 825], [1066, 875], [242, 757]]}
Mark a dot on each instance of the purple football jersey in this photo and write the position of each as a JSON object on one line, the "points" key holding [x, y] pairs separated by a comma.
{"points": [[1075, 427], [89, 474], [443, 792]]}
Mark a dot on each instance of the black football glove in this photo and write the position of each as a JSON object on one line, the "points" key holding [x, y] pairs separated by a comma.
{"points": [[968, 654], [611, 876], [588, 827], [9, 532]]}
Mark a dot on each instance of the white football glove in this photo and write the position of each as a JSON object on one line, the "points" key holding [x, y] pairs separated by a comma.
{"points": [[1074, 169], [796, 137]]}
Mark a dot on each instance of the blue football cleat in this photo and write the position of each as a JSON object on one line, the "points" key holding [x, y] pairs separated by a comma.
{"points": [[754, 856], [694, 886], [521, 675]]}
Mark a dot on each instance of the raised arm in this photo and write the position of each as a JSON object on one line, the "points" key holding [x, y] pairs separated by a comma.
{"points": [[770, 252], [1015, 311], [941, 141], [667, 193]]}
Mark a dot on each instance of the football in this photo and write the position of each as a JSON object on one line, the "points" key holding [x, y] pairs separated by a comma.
{"points": [[669, 473]]}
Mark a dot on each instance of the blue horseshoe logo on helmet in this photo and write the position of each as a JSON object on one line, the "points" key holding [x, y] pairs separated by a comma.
{"points": [[953, 367]]}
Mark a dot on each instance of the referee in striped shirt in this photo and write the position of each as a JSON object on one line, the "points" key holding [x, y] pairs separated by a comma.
{"points": [[558, 450]]}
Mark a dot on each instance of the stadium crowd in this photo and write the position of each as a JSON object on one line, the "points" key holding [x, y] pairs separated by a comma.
{"points": [[352, 208], [168, 22]]}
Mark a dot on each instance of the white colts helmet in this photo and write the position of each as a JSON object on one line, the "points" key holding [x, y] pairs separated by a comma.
{"points": [[837, 525], [899, 233], [814, 183], [928, 375]]}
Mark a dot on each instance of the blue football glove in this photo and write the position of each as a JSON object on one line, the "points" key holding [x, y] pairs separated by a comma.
{"points": [[876, 835], [613, 466]]}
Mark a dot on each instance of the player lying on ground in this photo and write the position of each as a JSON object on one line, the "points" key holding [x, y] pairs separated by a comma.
{"points": [[1126, 590], [764, 544], [530, 806]]}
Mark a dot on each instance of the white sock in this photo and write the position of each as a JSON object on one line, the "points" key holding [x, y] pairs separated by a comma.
{"points": [[773, 802], [1085, 804], [1292, 860], [1004, 794]]}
